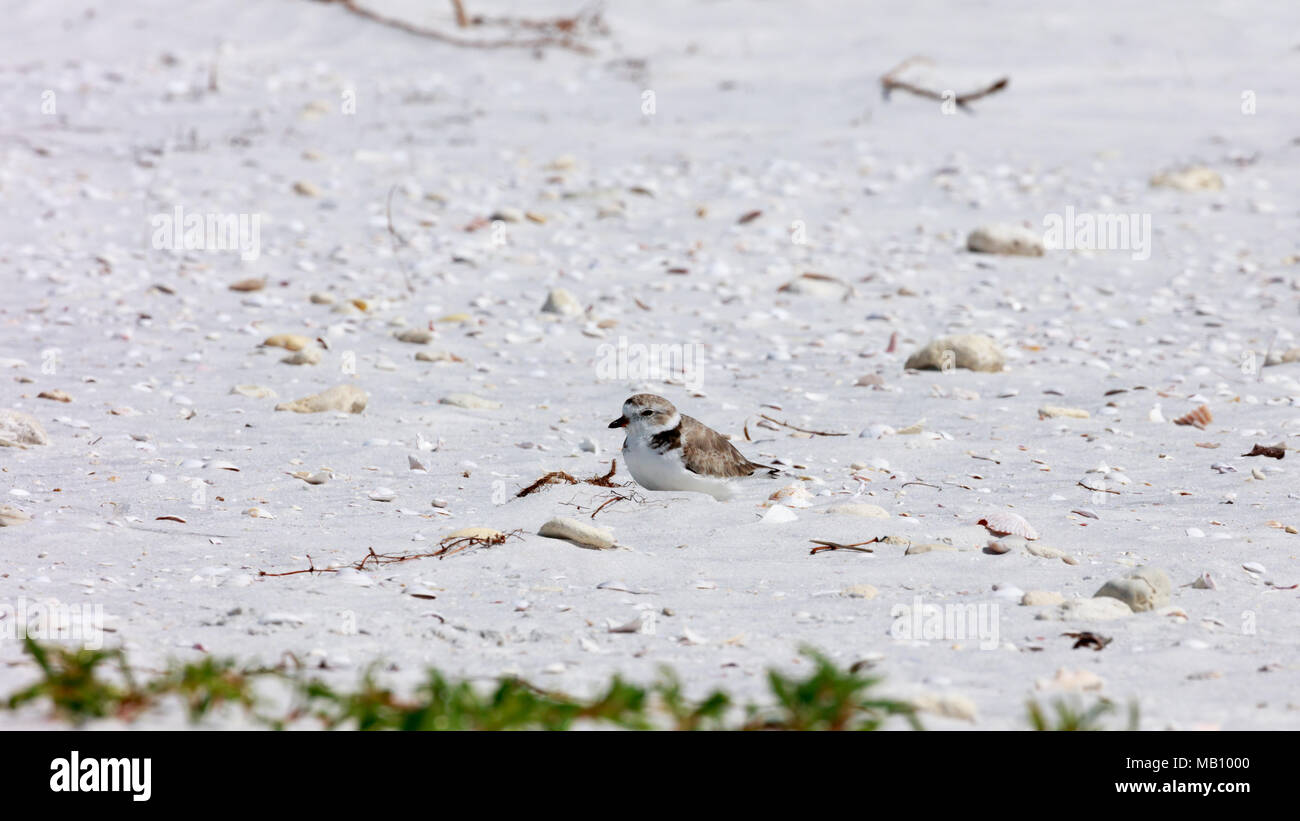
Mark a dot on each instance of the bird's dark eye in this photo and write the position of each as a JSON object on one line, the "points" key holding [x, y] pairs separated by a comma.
{"points": [[646, 412]]}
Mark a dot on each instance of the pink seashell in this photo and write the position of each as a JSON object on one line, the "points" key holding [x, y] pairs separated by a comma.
{"points": [[1006, 523]]}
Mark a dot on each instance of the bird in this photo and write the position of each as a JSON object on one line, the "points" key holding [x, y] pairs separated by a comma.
{"points": [[666, 450]]}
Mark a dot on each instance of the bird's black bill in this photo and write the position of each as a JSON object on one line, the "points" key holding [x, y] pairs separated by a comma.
{"points": [[620, 422]]}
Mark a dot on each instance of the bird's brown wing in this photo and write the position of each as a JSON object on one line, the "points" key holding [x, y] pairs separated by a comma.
{"points": [[708, 453]]}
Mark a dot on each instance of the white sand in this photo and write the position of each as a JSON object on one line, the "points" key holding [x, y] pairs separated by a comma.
{"points": [[756, 107]]}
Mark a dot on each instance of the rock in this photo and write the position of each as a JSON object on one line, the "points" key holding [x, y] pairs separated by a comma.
{"points": [[1058, 412], [863, 509], [1103, 609], [974, 352], [580, 533], [470, 401], [18, 429], [346, 398], [415, 336], [1042, 598], [1190, 178], [290, 342], [11, 516], [306, 356], [1006, 238], [860, 591], [560, 301], [254, 392], [918, 549], [1147, 588]]}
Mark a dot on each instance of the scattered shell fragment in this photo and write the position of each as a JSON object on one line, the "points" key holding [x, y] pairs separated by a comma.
{"points": [[485, 533], [1200, 418], [1057, 412], [1006, 238], [318, 478], [258, 513], [382, 494], [18, 429], [307, 356], [54, 395], [290, 342], [560, 301], [792, 495], [1189, 178], [255, 284], [470, 401], [346, 398], [11, 516], [254, 392], [580, 533]]}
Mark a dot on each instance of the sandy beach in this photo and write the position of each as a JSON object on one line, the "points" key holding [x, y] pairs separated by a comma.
{"points": [[492, 248]]}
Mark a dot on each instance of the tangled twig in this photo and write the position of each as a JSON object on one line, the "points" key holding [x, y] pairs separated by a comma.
{"points": [[449, 546], [801, 430], [890, 81], [556, 477]]}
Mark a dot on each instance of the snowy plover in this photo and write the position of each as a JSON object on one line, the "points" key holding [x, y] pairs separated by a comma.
{"points": [[665, 450]]}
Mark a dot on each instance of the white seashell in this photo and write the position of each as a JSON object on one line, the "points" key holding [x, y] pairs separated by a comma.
{"points": [[258, 513], [157, 478], [469, 401], [1195, 533], [1006, 523], [1205, 582], [382, 494], [1253, 567]]}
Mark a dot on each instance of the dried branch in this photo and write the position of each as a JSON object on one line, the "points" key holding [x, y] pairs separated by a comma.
{"points": [[556, 477], [449, 546], [563, 40], [857, 547], [801, 430]]}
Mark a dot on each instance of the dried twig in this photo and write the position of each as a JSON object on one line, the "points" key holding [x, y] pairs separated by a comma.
{"points": [[396, 238], [801, 430], [562, 40], [449, 546], [890, 81], [1097, 489], [856, 546], [556, 477]]}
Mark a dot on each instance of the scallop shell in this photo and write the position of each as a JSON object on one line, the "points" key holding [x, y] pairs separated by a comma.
{"points": [[1006, 523], [1197, 418]]}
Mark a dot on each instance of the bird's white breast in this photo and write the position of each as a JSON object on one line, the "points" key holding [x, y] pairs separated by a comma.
{"points": [[653, 470]]}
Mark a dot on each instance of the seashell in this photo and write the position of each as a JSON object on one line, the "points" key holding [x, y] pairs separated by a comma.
{"points": [[382, 494], [792, 495], [1059, 412], [436, 356], [863, 509], [1204, 582], [254, 392], [258, 513], [560, 301], [319, 478], [1006, 523], [307, 356], [1253, 567], [346, 398], [469, 401], [290, 342], [1198, 418], [1006, 238], [248, 285], [1190, 178], [55, 395], [11, 516], [18, 429], [580, 533]]}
